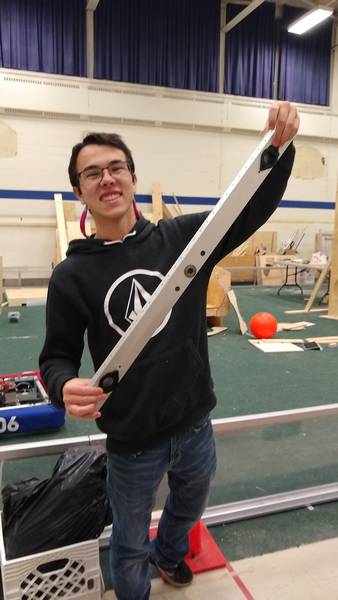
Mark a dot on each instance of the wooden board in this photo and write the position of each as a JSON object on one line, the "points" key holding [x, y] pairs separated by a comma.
{"points": [[177, 205], [293, 326], [218, 304], [61, 226], [167, 214], [26, 295], [245, 256], [157, 202], [243, 264], [317, 286], [242, 250], [233, 300], [264, 241], [333, 292], [325, 339], [149, 216], [57, 256], [302, 311]]}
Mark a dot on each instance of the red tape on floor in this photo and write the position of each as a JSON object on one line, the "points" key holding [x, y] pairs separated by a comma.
{"points": [[240, 584]]}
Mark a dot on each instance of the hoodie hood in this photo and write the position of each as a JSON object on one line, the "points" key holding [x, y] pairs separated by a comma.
{"points": [[140, 231]]}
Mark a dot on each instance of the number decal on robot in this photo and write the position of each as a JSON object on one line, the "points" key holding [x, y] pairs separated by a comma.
{"points": [[12, 426]]}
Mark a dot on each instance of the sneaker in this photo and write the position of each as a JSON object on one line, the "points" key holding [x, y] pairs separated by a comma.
{"points": [[180, 576]]}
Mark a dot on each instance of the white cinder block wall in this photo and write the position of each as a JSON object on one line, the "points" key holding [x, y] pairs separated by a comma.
{"points": [[192, 143]]}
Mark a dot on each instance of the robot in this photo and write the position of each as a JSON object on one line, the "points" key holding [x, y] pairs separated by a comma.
{"points": [[25, 406]]}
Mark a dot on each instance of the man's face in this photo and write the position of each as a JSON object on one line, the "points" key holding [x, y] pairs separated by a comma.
{"points": [[109, 193]]}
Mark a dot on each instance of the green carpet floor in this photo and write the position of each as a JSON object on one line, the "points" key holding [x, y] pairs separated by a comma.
{"points": [[247, 381]]}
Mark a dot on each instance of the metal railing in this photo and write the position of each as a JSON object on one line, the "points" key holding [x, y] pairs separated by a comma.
{"points": [[221, 513]]}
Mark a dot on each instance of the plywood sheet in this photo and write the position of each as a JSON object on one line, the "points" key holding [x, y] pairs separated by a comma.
{"points": [[239, 267], [260, 241], [264, 241], [218, 304]]}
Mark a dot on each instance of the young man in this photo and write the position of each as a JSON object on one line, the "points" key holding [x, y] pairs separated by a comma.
{"points": [[157, 418]]}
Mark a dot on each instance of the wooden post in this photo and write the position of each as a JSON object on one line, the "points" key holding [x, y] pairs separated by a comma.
{"points": [[318, 285], [61, 226], [333, 292], [166, 211], [157, 202], [69, 210], [233, 301]]}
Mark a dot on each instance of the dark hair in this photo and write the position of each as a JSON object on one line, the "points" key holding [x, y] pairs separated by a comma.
{"points": [[101, 139]]}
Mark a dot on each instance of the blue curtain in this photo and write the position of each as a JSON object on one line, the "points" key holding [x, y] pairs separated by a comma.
{"points": [[156, 42], [305, 61], [43, 35], [250, 53]]}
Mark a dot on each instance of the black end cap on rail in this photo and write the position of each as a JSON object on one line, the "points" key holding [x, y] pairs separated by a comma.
{"points": [[109, 381], [269, 158]]}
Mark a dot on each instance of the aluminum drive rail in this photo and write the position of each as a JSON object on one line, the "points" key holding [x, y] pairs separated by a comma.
{"points": [[182, 272]]}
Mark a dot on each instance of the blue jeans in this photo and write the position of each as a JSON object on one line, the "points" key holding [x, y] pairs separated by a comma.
{"points": [[189, 459]]}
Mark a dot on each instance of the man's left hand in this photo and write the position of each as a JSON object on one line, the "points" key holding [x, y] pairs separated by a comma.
{"points": [[284, 119]]}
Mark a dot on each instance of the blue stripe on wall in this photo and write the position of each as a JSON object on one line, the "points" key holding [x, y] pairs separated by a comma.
{"points": [[206, 201], [306, 204], [34, 195], [146, 199]]}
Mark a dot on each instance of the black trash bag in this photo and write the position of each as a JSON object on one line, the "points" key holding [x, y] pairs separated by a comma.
{"points": [[69, 507]]}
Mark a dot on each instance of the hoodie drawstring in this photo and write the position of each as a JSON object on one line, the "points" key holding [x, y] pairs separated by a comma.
{"points": [[84, 216]]}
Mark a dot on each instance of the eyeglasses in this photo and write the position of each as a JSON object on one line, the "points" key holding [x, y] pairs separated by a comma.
{"points": [[94, 174]]}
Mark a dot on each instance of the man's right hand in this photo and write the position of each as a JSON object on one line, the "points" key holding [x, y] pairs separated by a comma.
{"points": [[81, 398]]}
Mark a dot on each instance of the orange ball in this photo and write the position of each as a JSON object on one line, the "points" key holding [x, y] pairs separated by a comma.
{"points": [[263, 325]]}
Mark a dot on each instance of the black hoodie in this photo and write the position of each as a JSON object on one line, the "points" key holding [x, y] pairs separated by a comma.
{"points": [[101, 286]]}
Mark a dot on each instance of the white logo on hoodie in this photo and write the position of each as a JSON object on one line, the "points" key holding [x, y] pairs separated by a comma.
{"points": [[138, 296]]}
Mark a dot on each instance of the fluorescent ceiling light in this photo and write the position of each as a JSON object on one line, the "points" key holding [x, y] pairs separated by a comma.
{"points": [[309, 20]]}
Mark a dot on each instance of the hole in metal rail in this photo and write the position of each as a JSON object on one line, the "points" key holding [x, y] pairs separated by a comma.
{"points": [[190, 271]]}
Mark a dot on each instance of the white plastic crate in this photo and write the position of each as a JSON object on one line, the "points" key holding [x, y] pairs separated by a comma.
{"points": [[71, 573]]}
